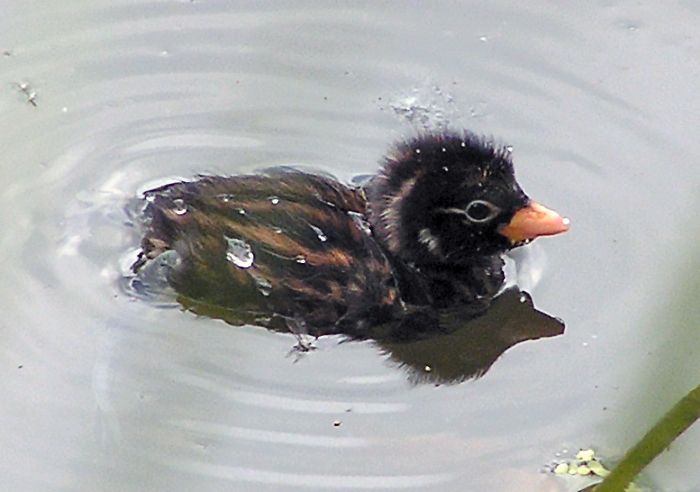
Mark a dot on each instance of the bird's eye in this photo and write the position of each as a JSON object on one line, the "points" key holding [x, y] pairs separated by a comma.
{"points": [[480, 211]]}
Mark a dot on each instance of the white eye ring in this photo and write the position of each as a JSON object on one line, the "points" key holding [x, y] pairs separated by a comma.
{"points": [[475, 211]]}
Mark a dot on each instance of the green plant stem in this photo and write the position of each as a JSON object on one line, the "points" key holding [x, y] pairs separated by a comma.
{"points": [[671, 425]]}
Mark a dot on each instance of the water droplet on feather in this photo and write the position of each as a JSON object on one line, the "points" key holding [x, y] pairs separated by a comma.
{"points": [[239, 252], [319, 233], [179, 206], [225, 197], [263, 284], [361, 222]]}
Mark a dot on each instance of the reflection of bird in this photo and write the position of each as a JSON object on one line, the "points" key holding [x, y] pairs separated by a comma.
{"points": [[298, 251], [471, 347]]}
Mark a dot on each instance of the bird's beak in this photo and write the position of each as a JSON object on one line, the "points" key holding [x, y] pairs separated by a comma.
{"points": [[534, 220]]}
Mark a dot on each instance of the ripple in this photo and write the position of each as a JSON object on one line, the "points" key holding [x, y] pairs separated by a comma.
{"points": [[130, 96], [182, 140], [277, 402], [266, 436], [262, 476]]}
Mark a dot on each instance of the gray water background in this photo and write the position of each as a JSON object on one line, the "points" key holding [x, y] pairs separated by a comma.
{"points": [[101, 100]]}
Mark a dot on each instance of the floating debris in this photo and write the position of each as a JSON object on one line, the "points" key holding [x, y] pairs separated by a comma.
{"points": [[597, 469], [584, 464], [28, 91], [585, 455]]}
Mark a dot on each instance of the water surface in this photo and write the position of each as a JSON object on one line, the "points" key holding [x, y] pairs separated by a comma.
{"points": [[103, 100]]}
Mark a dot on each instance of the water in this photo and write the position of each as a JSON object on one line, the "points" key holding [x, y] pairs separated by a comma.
{"points": [[319, 233], [239, 252], [102, 100]]}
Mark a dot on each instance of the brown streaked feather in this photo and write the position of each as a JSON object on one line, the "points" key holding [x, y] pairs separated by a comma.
{"points": [[315, 289]]}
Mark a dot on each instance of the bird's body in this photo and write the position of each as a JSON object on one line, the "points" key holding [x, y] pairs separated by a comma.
{"points": [[300, 251]]}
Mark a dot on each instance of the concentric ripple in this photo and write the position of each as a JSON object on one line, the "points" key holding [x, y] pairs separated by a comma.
{"points": [[104, 100]]}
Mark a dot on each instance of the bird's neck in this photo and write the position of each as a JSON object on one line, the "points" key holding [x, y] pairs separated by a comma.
{"points": [[442, 285]]}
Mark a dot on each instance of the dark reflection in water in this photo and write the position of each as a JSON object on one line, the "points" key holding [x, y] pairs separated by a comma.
{"points": [[468, 343], [471, 347]]}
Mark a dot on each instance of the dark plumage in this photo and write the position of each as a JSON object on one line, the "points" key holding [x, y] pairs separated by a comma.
{"points": [[303, 252]]}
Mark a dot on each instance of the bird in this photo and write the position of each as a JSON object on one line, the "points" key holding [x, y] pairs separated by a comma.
{"points": [[303, 252]]}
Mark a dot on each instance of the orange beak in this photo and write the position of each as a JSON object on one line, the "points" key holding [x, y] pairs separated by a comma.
{"points": [[534, 220]]}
